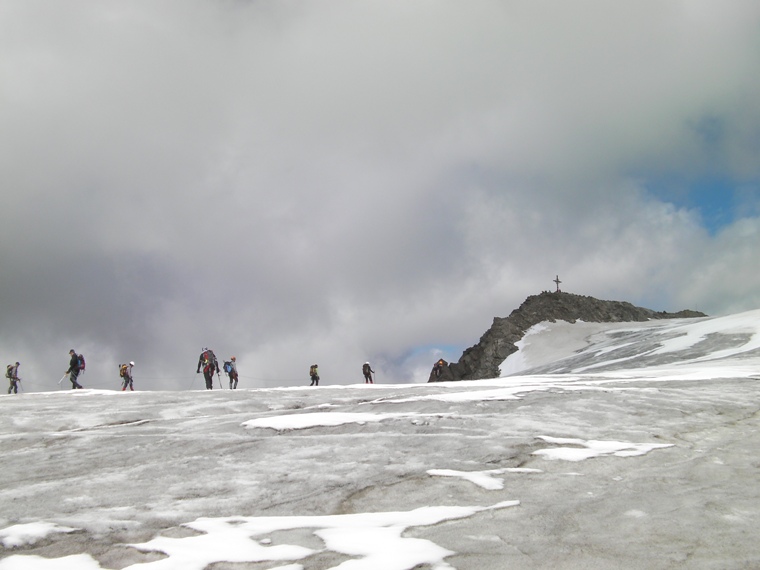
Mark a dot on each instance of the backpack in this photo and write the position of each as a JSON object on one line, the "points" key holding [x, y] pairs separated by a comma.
{"points": [[312, 370], [227, 366], [8, 371], [81, 362], [123, 370], [209, 361], [365, 368]]}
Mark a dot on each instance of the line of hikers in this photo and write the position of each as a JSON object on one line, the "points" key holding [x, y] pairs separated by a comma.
{"points": [[366, 370], [76, 367], [207, 361]]}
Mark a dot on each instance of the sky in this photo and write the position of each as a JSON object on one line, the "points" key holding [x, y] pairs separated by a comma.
{"points": [[628, 456], [296, 183]]}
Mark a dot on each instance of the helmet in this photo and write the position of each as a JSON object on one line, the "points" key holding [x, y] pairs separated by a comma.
{"points": [[131, 362]]}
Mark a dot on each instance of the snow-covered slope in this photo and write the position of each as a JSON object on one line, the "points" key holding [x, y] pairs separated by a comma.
{"points": [[562, 347], [618, 446]]}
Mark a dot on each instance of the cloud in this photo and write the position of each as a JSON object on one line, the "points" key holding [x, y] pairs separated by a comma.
{"points": [[297, 183]]}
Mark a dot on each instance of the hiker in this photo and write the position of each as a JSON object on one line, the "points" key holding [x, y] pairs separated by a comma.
{"points": [[314, 373], [208, 360], [368, 372], [76, 365], [125, 372], [441, 372], [11, 374], [230, 367]]}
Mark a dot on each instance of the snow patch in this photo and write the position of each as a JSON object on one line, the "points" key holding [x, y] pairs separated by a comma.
{"points": [[30, 533], [318, 419], [482, 479], [375, 538], [594, 448]]}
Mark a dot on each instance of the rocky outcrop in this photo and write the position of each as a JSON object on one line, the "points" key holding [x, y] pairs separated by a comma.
{"points": [[483, 359]]}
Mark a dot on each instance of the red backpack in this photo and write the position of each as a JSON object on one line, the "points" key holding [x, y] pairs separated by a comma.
{"points": [[209, 360]]}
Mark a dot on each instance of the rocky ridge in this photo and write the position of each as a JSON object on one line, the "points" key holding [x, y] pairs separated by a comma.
{"points": [[483, 359]]}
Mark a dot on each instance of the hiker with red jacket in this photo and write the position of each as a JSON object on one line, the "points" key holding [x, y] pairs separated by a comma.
{"points": [[208, 360]]}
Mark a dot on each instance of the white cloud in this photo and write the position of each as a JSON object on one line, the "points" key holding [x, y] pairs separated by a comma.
{"points": [[354, 181]]}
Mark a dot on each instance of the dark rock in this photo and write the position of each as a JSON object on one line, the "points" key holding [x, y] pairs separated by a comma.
{"points": [[483, 359]]}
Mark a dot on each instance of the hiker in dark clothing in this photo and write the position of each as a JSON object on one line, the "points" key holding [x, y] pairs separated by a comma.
{"points": [[75, 367], [12, 375], [368, 372], [314, 373], [208, 360]]}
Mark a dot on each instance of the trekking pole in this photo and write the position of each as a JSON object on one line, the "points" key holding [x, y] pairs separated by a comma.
{"points": [[62, 377]]}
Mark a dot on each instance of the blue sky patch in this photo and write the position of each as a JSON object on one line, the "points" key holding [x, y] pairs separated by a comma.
{"points": [[720, 201]]}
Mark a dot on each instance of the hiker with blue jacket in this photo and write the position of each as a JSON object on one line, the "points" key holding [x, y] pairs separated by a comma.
{"points": [[230, 367]]}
